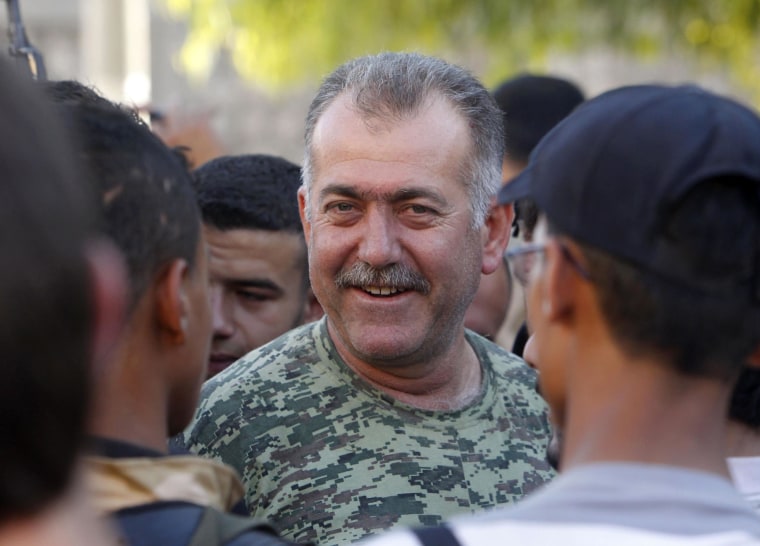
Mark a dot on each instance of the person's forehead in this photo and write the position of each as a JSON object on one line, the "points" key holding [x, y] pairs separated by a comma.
{"points": [[254, 245], [432, 145], [342, 119]]}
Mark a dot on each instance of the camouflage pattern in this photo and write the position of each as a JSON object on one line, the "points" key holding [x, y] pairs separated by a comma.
{"points": [[328, 458]]}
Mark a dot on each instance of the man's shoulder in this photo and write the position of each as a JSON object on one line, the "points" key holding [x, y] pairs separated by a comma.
{"points": [[510, 372], [567, 534], [278, 363], [296, 345], [493, 354], [583, 534], [270, 386], [495, 349]]}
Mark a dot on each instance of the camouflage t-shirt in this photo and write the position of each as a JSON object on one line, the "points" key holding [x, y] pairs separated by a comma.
{"points": [[328, 458]]}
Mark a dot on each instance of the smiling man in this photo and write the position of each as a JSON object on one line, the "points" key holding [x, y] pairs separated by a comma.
{"points": [[259, 282], [387, 412]]}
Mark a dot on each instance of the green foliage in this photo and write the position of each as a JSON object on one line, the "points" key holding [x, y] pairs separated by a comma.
{"points": [[276, 43]]}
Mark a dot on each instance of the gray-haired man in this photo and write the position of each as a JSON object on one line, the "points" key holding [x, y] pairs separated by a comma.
{"points": [[387, 412]]}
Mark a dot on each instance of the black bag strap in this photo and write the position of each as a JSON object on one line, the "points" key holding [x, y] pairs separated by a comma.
{"points": [[436, 536], [216, 527]]}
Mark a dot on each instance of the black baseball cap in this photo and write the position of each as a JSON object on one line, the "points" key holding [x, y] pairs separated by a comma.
{"points": [[609, 174]]}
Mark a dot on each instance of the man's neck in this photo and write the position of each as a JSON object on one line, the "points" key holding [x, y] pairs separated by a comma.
{"points": [[741, 440], [644, 412], [448, 382], [130, 403]]}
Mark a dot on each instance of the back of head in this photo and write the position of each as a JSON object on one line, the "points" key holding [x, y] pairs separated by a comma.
{"points": [[392, 87], [45, 306], [660, 187], [147, 198], [532, 105], [707, 327], [255, 192], [71, 91]]}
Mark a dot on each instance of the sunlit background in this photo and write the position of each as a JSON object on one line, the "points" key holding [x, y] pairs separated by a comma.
{"points": [[246, 69]]}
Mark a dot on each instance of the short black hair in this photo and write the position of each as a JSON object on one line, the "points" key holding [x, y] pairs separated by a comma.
{"points": [[73, 91], [146, 193], [716, 228], [532, 105], [255, 191], [526, 218], [47, 215]]}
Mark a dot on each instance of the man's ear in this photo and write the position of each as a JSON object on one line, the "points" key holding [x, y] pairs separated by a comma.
{"points": [[312, 308], [302, 212], [560, 285], [172, 303], [510, 212], [496, 232], [108, 285]]}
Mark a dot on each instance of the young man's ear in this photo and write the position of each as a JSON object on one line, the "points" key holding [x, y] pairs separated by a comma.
{"points": [[108, 285], [172, 303], [561, 282], [496, 232]]}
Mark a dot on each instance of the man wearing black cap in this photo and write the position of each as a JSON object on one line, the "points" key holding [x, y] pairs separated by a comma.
{"points": [[644, 297]]}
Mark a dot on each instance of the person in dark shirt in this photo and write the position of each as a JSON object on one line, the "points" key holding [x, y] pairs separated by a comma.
{"points": [[149, 389], [61, 297]]}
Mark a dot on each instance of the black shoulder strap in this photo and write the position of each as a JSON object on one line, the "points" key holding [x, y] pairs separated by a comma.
{"points": [[436, 536], [216, 527]]}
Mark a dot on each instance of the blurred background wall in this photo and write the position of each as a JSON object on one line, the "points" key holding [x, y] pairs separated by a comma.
{"points": [[132, 51]]}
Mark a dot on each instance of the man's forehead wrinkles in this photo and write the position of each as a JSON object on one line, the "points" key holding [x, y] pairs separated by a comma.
{"points": [[339, 189]]}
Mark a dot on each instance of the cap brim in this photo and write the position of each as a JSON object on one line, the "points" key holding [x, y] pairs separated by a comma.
{"points": [[517, 188]]}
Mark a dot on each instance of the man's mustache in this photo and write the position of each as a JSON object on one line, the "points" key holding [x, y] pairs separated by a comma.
{"points": [[396, 276]]}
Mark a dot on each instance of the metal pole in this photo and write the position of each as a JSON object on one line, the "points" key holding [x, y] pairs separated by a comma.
{"points": [[26, 55]]}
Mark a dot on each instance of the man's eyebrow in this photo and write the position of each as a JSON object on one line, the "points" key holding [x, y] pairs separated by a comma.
{"points": [[343, 190], [407, 194], [254, 283], [399, 196]]}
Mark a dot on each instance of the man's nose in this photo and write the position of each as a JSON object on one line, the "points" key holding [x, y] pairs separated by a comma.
{"points": [[380, 245], [221, 316]]}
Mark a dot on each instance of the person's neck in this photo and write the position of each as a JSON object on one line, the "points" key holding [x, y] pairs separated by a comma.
{"points": [[741, 440], [69, 521], [637, 410], [129, 402], [447, 382]]}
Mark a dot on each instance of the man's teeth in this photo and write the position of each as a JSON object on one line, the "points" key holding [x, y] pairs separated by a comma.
{"points": [[382, 290]]}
